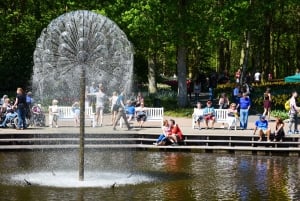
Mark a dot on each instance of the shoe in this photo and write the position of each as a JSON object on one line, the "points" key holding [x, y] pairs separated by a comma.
{"points": [[296, 132], [129, 128], [268, 140], [174, 144], [18, 128], [155, 143], [222, 126], [290, 132], [56, 126]]}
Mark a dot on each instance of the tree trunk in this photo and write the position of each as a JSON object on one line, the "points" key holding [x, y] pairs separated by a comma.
{"points": [[267, 53], [181, 70], [245, 57], [152, 87]]}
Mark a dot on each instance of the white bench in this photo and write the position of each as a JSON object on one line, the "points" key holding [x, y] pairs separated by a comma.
{"points": [[155, 114], [221, 116], [66, 113]]}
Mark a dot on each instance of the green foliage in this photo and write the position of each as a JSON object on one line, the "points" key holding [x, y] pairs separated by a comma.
{"points": [[280, 113]]}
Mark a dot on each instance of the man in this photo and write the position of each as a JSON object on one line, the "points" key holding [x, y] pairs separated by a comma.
{"points": [[244, 105], [293, 114], [175, 134], [121, 112], [209, 114], [263, 128]]}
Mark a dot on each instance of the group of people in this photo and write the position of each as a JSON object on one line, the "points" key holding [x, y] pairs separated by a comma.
{"points": [[96, 95]]}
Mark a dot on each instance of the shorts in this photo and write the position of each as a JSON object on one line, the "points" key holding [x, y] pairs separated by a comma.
{"points": [[209, 117], [263, 130]]}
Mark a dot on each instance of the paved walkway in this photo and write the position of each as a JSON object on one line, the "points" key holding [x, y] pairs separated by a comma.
{"points": [[149, 127]]}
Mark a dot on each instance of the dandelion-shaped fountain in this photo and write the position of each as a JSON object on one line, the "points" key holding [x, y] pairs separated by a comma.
{"points": [[85, 46]]}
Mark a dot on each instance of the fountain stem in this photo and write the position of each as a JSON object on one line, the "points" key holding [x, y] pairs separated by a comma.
{"points": [[82, 122]]}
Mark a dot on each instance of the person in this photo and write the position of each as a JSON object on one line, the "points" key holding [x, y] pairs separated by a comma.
{"points": [[141, 115], [257, 77], [297, 72], [293, 114], [121, 111], [130, 110], [232, 115], [223, 101], [3, 98], [76, 112], [189, 88], [175, 134], [20, 104], [53, 114], [198, 114], [279, 130], [244, 105], [139, 100], [161, 140], [8, 111], [197, 89], [29, 104], [238, 75], [263, 128], [92, 98], [236, 92], [114, 107], [100, 102], [267, 103], [209, 114]]}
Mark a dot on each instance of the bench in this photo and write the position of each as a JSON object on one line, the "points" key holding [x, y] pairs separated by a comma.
{"points": [[66, 113], [221, 116], [154, 114]]}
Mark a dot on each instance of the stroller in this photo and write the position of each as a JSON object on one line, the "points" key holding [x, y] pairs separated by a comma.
{"points": [[38, 117]]}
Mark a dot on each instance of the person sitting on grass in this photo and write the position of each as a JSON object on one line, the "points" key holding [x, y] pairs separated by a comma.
{"points": [[198, 114], [175, 134], [209, 114], [263, 128], [279, 130]]}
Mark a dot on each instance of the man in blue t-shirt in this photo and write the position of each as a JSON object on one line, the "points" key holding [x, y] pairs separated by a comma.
{"points": [[263, 128]]}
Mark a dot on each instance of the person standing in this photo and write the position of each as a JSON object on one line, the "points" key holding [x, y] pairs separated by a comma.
{"points": [[267, 103], [20, 104], [293, 114], [53, 114], [244, 106], [76, 112], [121, 111], [114, 107], [100, 102]]}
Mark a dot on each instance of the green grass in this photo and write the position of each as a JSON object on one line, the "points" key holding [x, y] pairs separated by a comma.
{"points": [[179, 112]]}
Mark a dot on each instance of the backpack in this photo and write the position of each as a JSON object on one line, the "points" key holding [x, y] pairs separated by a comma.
{"points": [[287, 105]]}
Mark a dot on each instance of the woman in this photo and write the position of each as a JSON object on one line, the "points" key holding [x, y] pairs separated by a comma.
{"points": [[163, 137], [279, 131], [223, 101], [20, 104], [53, 114], [267, 103], [232, 115], [141, 115], [198, 115], [100, 102]]}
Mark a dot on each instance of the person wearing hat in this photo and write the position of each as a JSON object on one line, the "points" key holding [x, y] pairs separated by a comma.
{"points": [[209, 114], [263, 128]]}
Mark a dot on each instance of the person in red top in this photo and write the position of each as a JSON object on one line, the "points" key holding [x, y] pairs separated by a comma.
{"points": [[175, 134]]}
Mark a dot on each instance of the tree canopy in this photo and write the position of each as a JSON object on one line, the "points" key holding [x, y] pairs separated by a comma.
{"points": [[182, 37]]}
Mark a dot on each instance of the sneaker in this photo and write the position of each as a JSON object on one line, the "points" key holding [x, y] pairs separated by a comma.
{"points": [[290, 132], [175, 144], [296, 132], [155, 143]]}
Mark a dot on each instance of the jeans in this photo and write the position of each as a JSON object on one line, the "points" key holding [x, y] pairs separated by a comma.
{"points": [[162, 137], [244, 118], [8, 116], [21, 118], [293, 120]]}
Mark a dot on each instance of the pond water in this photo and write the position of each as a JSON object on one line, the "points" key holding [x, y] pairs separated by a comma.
{"points": [[148, 176]]}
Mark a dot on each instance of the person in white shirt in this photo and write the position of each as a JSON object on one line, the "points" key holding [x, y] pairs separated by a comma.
{"points": [[257, 77], [198, 114]]}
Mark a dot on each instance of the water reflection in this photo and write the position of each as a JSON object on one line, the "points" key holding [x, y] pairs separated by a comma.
{"points": [[176, 176]]}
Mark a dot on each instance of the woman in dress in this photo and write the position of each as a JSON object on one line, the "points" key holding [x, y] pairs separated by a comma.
{"points": [[267, 103]]}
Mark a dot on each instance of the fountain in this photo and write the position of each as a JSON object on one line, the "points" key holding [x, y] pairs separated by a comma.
{"points": [[85, 46]]}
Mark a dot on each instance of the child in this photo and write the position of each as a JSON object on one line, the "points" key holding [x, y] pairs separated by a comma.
{"points": [[53, 114]]}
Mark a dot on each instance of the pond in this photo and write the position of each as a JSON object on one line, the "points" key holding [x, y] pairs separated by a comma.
{"points": [[148, 176]]}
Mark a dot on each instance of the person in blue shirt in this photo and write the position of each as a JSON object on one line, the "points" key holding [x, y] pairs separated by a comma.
{"points": [[130, 110], [244, 106], [263, 128], [209, 114]]}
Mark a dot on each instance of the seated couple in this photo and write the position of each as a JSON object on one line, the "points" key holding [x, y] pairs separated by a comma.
{"points": [[172, 134], [263, 128], [138, 112], [208, 113]]}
